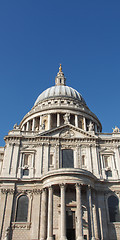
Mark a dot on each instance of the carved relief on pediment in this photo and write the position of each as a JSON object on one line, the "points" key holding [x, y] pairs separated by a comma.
{"points": [[67, 133]]}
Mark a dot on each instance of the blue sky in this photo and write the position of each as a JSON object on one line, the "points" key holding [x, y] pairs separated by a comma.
{"points": [[35, 36]]}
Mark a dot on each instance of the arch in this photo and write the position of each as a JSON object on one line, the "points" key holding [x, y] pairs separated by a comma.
{"points": [[22, 209], [113, 207]]}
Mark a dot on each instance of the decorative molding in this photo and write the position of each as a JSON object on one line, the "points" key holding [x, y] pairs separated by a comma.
{"points": [[67, 133], [7, 190], [21, 225], [29, 191]]}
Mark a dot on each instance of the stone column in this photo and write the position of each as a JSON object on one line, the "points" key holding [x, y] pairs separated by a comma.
{"points": [[3, 201], [27, 127], [63, 213], [43, 222], [8, 211], [76, 120], [7, 159], [95, 127], [33, 124], [58, 119], [90, 215], [95, 160], [84, 120], [102, 166], [89, 159], [23, 128], [79, 212], [49, 121], [20, 166], [95, 216], [32, 165], [103, 216], [117, 160], [14, 159], [40, 124], [50, 214]]}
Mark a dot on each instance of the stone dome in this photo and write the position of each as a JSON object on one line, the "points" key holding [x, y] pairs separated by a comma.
{"points": [[59, 91], [59, 105]]}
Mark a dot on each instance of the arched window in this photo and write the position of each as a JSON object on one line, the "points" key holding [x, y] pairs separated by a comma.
{"points": [[67, 158], [22, 209], [113, 206]]}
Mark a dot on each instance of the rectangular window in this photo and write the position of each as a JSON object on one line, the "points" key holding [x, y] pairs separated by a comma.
{"points": [[83, 160], [51, 159], [25, 172], [67, 158]]}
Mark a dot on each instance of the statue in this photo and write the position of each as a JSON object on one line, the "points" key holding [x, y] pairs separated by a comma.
{"points": [[60, 68], [36, 129], [15, 126], [66, 118], [43, 126], [116, 130], [90, 127]]}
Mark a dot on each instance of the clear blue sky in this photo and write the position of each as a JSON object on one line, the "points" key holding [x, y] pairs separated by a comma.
{"points": [[35, 36]]}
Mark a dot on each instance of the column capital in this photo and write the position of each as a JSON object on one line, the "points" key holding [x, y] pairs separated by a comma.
{"points": [[44, 190], [62, 185], [50, 187], [77, 185]]}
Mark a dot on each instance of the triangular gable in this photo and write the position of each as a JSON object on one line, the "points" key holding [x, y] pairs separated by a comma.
{"points": [[106, 151], [68, 131]]}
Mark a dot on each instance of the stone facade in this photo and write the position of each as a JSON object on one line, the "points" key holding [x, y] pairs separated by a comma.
{"points": [[60, 171]]}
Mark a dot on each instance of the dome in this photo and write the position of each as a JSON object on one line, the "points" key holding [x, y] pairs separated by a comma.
{"points": [[59, 91]]}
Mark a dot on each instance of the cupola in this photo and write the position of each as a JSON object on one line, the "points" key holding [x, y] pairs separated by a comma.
{"points": [[60, 79]]}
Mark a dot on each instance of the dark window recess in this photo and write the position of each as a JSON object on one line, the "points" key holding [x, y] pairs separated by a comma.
{"points": [[22, 209], [25, 172], [113, 206], [108, 173], [67, 158], [70, 225]]}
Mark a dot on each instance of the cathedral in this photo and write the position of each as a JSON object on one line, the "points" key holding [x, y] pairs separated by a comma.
{"points": [[59, 174]]}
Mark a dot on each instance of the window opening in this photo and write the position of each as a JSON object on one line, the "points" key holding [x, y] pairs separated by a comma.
{"points": [[83, 160], [22, 209], [25, 172], [67, 158], [113, 206]]}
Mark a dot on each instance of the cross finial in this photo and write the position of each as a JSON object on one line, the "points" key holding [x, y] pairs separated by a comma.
{"points": [[60, 68]]}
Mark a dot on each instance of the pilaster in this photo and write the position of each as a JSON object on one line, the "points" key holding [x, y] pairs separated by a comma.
{"points": [[8, 211], [36, 215]]}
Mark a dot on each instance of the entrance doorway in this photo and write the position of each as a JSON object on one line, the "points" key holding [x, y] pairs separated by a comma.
{"points": [[70, 225]]}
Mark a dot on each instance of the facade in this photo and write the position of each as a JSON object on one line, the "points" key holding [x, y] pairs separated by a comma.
{"points": [[59, 174]]}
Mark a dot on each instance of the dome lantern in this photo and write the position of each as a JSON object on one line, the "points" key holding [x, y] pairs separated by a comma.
{"points": [[60, 79]]}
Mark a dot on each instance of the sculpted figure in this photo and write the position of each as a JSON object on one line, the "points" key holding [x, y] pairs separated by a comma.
{"points": [[16, 126], [66, 118], [116, 129], [43, 126], [91, 127]]}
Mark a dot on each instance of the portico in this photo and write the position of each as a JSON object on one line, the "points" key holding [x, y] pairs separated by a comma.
{"points": [[82, 198]]}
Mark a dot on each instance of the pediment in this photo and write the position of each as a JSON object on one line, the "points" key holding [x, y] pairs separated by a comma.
{"points": [[68, 131], [106, 151]]}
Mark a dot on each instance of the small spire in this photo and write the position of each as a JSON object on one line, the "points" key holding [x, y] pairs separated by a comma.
{"points": [[60, 68]]}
